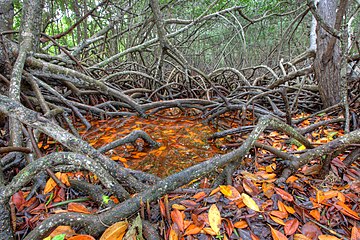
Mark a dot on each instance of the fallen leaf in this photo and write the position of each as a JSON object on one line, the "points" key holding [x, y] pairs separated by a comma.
{"points": [[301, 237], [173, 235], [215, 218], [291, 226], [277, 220], [241, 224], [311, 230], [67, 230], [77, 207], [230, 192], [284, 195], [199, 195], [355, 233], [81, 237], [315, 214], [277, 235], [328, 237], [346, 210], [177, 217], [115, 231], [192, 229], [178, 207], [249, 202]]}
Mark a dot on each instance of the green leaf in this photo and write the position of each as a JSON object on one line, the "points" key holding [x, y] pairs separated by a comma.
{"points": [[105, 199], [59, 237]]}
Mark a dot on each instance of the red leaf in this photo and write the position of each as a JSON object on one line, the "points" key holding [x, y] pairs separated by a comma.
{"points": [[291, 226], [284, 195]]}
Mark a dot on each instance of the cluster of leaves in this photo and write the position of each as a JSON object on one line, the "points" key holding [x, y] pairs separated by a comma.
{"points": [[251, 208]]}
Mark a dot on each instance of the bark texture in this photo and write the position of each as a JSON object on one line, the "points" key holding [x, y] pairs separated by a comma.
{"points": [[327, 63]]}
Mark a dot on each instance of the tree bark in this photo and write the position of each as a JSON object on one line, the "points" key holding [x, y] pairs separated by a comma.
{"points": [[327, 63]]}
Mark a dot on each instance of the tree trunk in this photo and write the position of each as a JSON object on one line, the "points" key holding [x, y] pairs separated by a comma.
{"points": [[327, 63], [6, 15]]}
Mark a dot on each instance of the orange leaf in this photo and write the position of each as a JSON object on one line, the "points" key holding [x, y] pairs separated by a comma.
{"points": [[291, 226], [192, 229], [241, 224], [268, 189], [67, 230], [115, 231], [315, 214], [277, 235], [173, 235], [199, 195], [177, 218], [281, 206], [355, 233], [301, 237], [77, 207], [328, 237], [82, 237], [284, 195], [214, 218], [214, 191], [279, 214], [289, 209], [347, 211], [50, 185]]}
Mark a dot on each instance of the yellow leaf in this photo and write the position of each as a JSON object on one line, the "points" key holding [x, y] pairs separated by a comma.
{"points": [[249, 202], [178, 207], [226, 190], [214, 218], [328, 237], [162, 148], [277, 220], [302, 147], [115, 231], [230, 192], [47, 238]]}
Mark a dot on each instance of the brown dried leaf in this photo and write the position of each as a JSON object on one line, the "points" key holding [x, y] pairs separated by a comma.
{"points": [[311, 230]]}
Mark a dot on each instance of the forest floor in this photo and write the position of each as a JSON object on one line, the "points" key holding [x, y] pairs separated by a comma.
{"points": [[252, 207]]}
